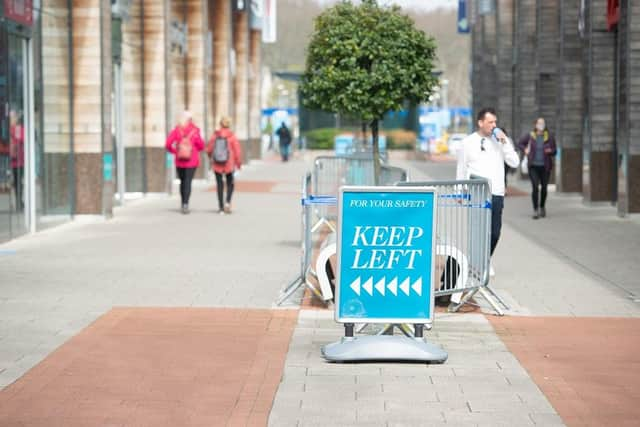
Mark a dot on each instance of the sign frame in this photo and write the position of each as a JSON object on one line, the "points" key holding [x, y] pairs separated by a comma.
{"points": [[339, 317]]}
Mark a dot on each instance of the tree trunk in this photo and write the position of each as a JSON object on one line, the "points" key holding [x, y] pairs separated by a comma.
{"points": [[376, 152], [364, 134]]}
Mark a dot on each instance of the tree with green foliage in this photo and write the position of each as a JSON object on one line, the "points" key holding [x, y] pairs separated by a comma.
{"points": [[366, 60]]}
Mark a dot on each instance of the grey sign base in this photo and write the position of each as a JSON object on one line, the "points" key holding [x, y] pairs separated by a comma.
{"points": [[383, 348]]}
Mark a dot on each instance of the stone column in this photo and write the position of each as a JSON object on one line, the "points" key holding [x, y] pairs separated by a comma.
{"points": [[629, 113], [93, 146], [156, 125], [56, 104], [525, 71], [221, 14], [178, 94], [197, 27], [133, 83], [547, 51], [484, 59], [570, 101], [504, 68], [241, 80], [255, 104], [598, 138]]}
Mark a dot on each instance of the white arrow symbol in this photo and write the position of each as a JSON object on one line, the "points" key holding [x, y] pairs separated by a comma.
{"points": [[355, 285], [405, 286], [368, 286], [417, 286], [380, 286], [393, 286]]}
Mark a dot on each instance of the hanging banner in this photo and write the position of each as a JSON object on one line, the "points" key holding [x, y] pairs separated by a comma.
{"points": [[463, 22], [269, 21], [255, 19], [20, 11], [486, 7], [386, 242]]}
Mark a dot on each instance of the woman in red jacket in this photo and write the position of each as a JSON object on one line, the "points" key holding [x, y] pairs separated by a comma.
{"points": [[185, 143], [226, 157], [16, 153]]}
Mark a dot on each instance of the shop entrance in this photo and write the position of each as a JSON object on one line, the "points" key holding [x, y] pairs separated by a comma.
{"points": [[16, 129]]}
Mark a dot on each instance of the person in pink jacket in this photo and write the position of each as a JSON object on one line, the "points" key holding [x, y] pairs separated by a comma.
{"points": [[226, 158], [185, 143], [16, 153]]}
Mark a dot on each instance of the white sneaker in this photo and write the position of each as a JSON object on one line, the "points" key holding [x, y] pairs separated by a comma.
{"points": [[492, 272]]}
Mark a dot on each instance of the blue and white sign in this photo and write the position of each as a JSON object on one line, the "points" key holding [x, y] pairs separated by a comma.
{"points": [[343, 144], [385, 251], [463, 21], [107, 166]]}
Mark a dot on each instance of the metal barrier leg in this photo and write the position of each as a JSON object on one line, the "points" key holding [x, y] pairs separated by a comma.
{"points": [[487, 296], [453, 307], [315, 292], [289, 290], [295, 285], [496, 296]]}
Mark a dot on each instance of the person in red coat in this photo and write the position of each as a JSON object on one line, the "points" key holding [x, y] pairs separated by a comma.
{"points": [[226, 158], [16, 154], [185, 143]]}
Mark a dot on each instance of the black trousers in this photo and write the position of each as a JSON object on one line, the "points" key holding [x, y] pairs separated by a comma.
{"points": [[539, 178], [186, 176], [497, 204], [220, 188], [18, 182]]}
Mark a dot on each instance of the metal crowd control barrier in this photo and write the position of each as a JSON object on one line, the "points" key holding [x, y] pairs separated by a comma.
{"points": [[305, 256], [319, 204], [463, 236]]}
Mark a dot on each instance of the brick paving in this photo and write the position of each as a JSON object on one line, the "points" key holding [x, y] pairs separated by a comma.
{"points": [[250, 186], [588, 368], [158, 367]]}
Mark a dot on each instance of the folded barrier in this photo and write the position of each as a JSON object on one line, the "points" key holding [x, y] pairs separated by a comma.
{"points": [[319, 202]]}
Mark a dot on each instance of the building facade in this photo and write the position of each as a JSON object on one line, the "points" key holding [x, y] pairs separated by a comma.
{"points": [[90, 88], [571, 62]]}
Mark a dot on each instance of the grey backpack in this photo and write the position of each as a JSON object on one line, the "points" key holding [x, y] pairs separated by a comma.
{"points": [[220, 150]]}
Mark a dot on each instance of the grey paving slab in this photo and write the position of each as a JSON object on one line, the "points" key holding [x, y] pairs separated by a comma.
{"points": [[467, 391]]}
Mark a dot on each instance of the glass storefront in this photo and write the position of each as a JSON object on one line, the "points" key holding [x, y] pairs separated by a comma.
{"points": [[35, 147], [14, 63]]}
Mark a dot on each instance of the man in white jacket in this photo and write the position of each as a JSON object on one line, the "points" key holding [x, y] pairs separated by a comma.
{"points": [[483, 155]]}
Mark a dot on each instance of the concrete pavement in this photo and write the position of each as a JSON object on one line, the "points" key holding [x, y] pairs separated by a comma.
{"points": [[56, 283]]}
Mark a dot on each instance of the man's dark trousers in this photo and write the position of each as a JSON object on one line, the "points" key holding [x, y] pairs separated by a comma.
{"points": [[497, 203]]}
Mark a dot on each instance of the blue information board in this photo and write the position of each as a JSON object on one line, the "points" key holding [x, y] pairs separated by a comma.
{"points": [[385, 251], [107, 167]]}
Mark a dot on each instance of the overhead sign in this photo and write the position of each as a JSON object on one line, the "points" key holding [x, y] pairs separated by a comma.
{"points": [[269, 21], [486, 7], [20, 11], [463, 21], [385, 251], [255, 20]]}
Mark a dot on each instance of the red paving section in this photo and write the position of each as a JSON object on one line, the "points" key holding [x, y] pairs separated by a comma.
{"points": [[158, 367], [589, 368], [251, 186]]}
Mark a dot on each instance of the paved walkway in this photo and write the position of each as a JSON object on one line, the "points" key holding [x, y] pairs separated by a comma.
{"points": [[158, 367], [111, 296]]}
